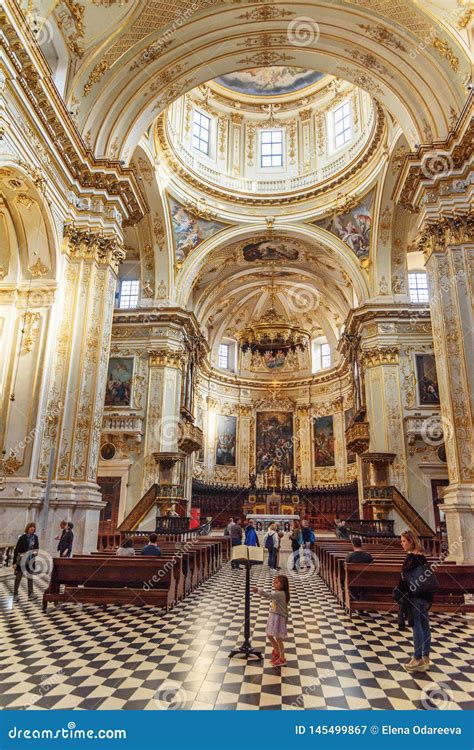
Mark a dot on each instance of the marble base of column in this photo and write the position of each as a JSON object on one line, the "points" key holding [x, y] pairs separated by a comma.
{"points": [[458, 507]]}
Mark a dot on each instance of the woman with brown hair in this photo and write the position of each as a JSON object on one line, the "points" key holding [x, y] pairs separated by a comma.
{"points": [[417, 589], [23, 559]]}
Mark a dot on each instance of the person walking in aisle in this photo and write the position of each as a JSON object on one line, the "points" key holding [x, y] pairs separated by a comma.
{"points": [[23, 559], [296, 539], [308, 540], [236, 533], [65, 543], [278, 618], [272, 542]]}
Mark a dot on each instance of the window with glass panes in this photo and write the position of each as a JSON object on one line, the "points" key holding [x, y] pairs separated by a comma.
{"points": [[223, 357], [201, 132], [325, 356], [129, 293], [342, 125], [271, 148], [418, 286]]}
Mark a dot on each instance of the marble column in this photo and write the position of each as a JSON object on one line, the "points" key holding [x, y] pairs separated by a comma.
{"points": [[385, 409], [71, 419], [449, 249]]}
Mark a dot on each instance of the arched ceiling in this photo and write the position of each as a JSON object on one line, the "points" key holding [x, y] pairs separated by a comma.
{"points": [[398, 52], [234, 284]]}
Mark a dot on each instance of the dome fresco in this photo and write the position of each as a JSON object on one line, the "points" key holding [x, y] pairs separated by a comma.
{"points": [[270, 81]]}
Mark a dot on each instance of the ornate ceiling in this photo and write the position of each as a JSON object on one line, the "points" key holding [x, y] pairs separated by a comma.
{"points": [[130, 61]]}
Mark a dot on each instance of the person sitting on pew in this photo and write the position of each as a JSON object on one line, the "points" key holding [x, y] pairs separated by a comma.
{"points": [[358, 555], [152, 547], [126, 549]]}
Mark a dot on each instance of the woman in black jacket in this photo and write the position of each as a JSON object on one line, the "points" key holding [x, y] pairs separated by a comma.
{"points": [[418, 605], [23, 559]]}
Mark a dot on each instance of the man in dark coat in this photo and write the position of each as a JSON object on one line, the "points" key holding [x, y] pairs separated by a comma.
{"points": [[65, 543]]}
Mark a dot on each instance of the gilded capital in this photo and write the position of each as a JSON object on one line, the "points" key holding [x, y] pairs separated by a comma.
{"points": [[80, 244], [436, 238], [166, 358], [383, 355], [245, 410]]}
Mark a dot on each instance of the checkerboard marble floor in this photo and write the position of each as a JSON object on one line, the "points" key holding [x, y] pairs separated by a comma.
{"points": [[86, 657]]}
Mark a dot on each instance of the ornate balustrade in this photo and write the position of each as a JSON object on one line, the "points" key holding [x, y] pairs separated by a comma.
{"points": [[124, 424]]}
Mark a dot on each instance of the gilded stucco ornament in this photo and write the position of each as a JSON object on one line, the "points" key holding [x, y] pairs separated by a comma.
{"points": [[85, 245], [437, 237]]}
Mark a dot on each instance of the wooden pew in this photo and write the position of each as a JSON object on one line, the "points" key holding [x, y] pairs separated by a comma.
{"points": [[114, 580], [182, 572], [379, 579]]}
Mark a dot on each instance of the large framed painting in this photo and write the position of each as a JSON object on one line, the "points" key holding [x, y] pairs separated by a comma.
{"points": [[324, 441], [274, 441], [226, 440], [353, 227], [118, 390], [270, 81], [348, 415], [189, 230], [271, 250], [426, 380]]}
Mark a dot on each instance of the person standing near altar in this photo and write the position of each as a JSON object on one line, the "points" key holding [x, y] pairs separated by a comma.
{"points": [[251, 538], [272, 542]]}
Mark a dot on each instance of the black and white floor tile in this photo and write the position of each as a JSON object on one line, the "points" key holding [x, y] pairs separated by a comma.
{"points": [[87, 657]]}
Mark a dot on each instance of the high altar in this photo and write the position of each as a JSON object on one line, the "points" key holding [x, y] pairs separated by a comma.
{"points": [[273, 493]]}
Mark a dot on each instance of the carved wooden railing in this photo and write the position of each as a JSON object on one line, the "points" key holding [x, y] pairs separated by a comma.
{"points": [[358, 437], [380, 527], [140, 510], [155, 495], [403, 507]]}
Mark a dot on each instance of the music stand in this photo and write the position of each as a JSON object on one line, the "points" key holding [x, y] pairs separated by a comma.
{"points": [[247, 556]]}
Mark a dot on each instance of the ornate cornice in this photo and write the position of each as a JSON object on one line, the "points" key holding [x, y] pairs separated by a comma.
{"points": [[381, 313], [436, 238], [180, 170], [383, 355], [81, 244], [33, 75], [435, 162]]}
